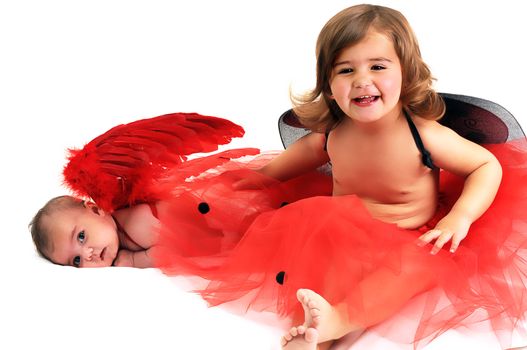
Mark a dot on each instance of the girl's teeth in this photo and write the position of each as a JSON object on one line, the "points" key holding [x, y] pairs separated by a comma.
{"points": [[365, 99]]}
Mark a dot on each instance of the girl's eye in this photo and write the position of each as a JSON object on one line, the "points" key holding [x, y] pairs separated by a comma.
{"points": [[377, 67], [77, 261], [81, 237], [345, 71]]}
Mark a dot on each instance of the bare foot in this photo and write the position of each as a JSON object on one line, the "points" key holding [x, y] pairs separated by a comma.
{"points": [[300, 338], [330, 322]]}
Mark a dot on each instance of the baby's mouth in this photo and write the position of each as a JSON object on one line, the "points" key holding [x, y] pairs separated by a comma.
{"points": [[102, 254], [366, 99]]}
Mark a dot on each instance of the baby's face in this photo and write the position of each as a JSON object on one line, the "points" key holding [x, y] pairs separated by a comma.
{"points": [[83, 237]]}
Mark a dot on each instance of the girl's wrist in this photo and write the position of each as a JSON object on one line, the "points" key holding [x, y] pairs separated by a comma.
{"points": [[461, 215]]}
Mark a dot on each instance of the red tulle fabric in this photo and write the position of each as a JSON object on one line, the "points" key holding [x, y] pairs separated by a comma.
{"points": [[256, 252]]}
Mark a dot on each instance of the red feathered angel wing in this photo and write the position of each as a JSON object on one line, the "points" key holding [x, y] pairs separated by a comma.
{"points": [[117, 168]]}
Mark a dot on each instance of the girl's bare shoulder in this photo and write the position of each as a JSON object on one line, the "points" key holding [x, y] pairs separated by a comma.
{"points": [[449, 150], [433, 131]]}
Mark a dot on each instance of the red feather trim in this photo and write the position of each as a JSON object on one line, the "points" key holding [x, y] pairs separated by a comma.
{"points": [[117, 168]]}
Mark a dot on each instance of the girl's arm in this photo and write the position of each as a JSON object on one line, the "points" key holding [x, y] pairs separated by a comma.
{"points": [[307, 153], [482, 173]]}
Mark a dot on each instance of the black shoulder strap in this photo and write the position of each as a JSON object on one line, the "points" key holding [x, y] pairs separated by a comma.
{"points": [[426, 157], [425, 154]]}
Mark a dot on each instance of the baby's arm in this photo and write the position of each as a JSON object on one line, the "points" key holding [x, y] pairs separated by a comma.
{"points": [[482, 173], [141, 228], [307, 153], [139, 259]]}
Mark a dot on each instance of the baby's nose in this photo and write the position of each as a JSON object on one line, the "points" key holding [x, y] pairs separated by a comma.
{"points": [[87, 254]]}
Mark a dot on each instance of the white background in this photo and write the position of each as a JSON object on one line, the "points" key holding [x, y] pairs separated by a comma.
{"points": [[70, 70]]}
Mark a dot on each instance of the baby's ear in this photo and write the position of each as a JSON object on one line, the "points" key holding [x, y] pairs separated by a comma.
{"points": [[93, 207]]}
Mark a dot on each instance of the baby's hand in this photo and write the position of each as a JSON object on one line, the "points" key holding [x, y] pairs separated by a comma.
{"points": [[451, 228], [124, 258]]}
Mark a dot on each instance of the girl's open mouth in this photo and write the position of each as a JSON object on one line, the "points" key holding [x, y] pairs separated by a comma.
{"points": [[365, 100]]}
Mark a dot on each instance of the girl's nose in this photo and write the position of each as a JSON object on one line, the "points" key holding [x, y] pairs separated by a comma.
{"points": [[362, 81]]}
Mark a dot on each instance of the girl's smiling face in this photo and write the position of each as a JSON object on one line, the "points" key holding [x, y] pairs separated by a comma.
{"points": [[366, 79], [82, 237]]}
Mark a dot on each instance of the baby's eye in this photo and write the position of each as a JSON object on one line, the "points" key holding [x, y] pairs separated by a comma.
{"points": [[77, 261], [377, 67], [81, 236]]}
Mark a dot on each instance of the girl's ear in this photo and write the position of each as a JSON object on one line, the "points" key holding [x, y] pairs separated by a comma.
{"points": [[327, 91]]}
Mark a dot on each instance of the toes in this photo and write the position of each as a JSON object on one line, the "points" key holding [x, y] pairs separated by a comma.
{"points": [[311, 335], [316, 316], [316, 321], [315, 313], [283, 341], [287, 337], [300, 294], [303, 296], [293, 332]]}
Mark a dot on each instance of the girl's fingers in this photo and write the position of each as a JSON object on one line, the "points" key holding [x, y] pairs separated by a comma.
{"points": [[456, 240], [440, 242], [440, 237], [428, 237]]}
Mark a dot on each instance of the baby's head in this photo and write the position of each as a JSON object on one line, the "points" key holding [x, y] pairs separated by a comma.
{"points": [[69, 231], [352, 25]]}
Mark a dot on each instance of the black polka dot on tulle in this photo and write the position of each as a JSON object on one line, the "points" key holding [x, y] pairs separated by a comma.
{"points": [[280, 277], [283, 204], [203, 208]]}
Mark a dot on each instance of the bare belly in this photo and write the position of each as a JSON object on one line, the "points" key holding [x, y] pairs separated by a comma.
{"points": [[409, 211], [410, 215]]}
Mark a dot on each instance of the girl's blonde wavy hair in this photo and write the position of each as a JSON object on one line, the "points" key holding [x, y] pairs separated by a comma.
{"points": [[317, 111]]}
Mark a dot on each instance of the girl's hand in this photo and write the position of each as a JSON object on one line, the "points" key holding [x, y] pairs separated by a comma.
{"points": [[124, 258], [451, 228], [254, 181]]}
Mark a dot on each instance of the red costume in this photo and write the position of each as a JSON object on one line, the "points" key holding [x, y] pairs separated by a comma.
{"points": [[258, 246]]}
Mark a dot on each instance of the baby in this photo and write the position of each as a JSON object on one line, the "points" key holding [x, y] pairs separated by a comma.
{"points": [[72, 232]]}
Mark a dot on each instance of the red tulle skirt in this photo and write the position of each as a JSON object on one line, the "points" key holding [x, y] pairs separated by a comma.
{"points": [[257, 247]]}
